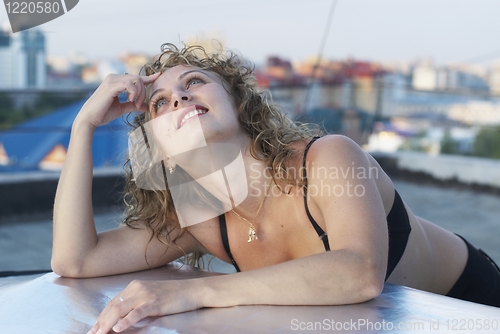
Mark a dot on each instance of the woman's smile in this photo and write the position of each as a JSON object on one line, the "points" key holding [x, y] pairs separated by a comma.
{"points": [[188, 113]]}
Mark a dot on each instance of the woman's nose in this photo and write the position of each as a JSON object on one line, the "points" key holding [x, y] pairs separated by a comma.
{"points": [[179, 97]]}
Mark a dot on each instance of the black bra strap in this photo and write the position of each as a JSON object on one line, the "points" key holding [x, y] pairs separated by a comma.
{"points": [[323, 236], [225, 240]]}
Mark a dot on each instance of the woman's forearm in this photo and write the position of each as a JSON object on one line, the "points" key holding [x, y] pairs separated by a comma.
{"points": [[75, 252], [330, 278], [74, 230]]}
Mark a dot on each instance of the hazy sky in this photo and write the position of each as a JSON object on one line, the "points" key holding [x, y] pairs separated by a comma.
{"points": [[446, 30]]}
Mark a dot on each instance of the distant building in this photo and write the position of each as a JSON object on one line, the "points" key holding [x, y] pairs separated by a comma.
{"points": [[65, 72], [476, 113], [134, 61], [355, 124], [393, 86], [22, 60], [428, 78], [322, 84], [494, 79], [442, 78], [97, 72]]}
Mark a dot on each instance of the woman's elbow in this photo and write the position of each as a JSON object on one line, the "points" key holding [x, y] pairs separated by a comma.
{"points": [[372, 289], [373, 283], [65, 269]]}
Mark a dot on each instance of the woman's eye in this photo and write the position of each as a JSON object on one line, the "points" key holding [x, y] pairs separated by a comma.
{"points": [[194, 82], [160, 103]]}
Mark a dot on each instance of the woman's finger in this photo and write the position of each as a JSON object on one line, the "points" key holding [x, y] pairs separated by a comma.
{"points": [[131, 88], [127, 107], [141, 97], [148, 79], [140, 82], [145, 80], [133, 317], [116, 309]]}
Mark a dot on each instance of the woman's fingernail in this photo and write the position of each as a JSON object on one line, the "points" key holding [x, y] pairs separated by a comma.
{"points": [[117, 327]]}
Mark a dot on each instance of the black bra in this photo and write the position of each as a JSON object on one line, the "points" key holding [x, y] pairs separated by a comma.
{"points": [[398, 225]]}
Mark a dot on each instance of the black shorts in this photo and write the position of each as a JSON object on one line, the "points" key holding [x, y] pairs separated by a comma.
{"points": [[480, 280]]}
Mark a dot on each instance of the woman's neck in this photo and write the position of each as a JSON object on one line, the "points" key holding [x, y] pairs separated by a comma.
{"points": [[229, 173]]}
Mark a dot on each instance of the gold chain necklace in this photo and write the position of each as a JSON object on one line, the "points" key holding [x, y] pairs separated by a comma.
{"points": [[252, 234]]}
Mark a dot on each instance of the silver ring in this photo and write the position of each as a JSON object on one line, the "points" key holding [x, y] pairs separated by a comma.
{"points": [[121, 298]]}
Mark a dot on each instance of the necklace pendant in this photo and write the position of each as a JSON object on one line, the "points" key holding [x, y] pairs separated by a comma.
{"points": [[252, 235]]}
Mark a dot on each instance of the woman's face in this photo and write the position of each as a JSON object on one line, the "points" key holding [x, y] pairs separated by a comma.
{"points": [[184, 87], [190, 107]]}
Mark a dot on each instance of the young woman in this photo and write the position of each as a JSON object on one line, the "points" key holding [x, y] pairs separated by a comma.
{"points": [[321, 223]]}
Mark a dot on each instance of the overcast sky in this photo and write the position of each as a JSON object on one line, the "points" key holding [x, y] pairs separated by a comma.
{"points": [[446, 30]]}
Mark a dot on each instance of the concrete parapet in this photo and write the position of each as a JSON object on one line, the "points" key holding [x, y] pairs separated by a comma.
{"points": [[470, 171], [28, 194]]}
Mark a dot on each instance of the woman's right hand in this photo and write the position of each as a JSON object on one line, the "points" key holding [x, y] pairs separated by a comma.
{"points": [[104, 106]]}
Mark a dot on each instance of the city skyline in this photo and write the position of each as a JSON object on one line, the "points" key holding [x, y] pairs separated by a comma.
{"points": [[448, 31]]}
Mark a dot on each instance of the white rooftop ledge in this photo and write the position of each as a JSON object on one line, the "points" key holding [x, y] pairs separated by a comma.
{"points": [[51, 304], [444, 167]]}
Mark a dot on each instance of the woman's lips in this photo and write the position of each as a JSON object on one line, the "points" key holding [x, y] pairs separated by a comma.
{"points": [[189, 113]]}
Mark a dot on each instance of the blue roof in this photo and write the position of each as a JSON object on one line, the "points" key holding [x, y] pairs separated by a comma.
{"points": [[28, 143]]}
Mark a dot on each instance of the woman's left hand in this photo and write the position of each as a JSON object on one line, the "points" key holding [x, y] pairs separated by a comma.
{"points": [[143, 299]]}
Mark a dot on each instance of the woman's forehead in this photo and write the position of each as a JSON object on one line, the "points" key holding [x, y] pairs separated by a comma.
{"points": [[172, 74], [177, 73]]}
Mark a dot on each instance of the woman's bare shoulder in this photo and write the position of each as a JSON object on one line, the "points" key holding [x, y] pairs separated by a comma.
{"points": [[338, 149]]}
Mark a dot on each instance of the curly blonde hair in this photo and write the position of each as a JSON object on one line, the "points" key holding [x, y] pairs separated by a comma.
{"points": [[271, 134]]}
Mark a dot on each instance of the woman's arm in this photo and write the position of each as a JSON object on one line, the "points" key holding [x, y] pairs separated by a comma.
{"points": [[78, 251], [344, 198], [352, 272], [330, 278]]}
